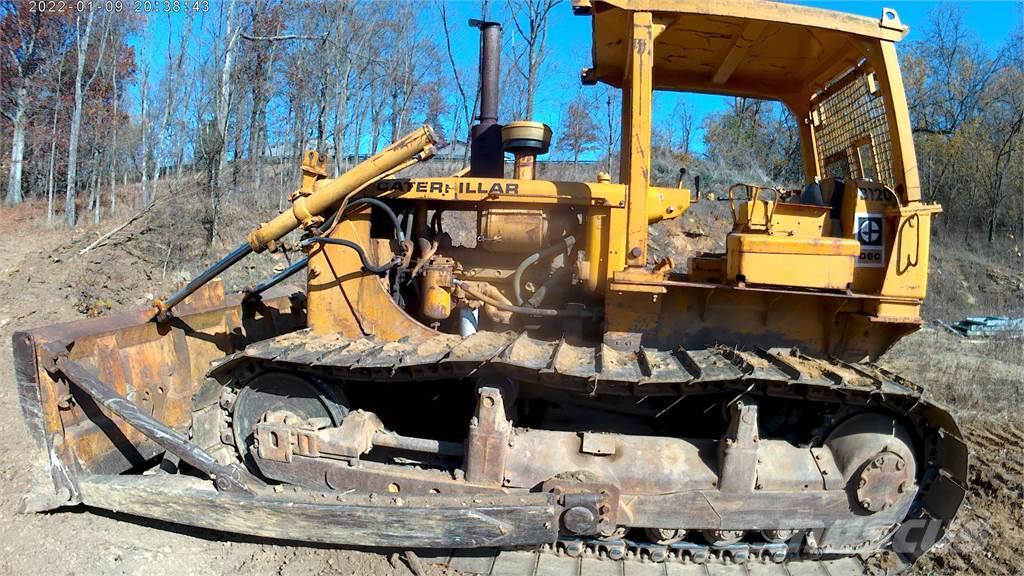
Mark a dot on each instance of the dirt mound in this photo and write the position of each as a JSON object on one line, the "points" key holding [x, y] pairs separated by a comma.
{"points": [[158, 250], [965, 282], [701, 229]]}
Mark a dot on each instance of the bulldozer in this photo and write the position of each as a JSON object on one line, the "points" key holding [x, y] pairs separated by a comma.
{"points": [[502, 371]]}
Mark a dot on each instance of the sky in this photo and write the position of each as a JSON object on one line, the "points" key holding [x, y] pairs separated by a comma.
{"points": [[569, 43]]}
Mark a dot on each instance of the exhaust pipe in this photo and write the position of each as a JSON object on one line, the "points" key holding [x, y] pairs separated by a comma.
{"points": [[486, 159]]}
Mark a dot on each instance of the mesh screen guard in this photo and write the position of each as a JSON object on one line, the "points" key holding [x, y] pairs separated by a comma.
{"points": [[851, 131]]}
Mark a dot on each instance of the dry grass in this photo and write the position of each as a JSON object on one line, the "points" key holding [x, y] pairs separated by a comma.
{"points": [[981, 378]]}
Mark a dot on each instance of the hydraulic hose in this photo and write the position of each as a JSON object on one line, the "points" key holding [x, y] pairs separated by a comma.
{"points": [[252, 293], [387, 210], [162, 307], [556, 277], [563, 244], [329, 194], [414, 147], [367, 265], [550, 312], [290, 271]]}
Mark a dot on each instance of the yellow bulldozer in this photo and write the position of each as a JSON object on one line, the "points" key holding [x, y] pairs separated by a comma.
{"points": [[535, 392]]}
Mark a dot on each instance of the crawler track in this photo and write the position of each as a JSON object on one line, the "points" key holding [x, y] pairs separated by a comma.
{"points": [[598, 558], [598, 369]]}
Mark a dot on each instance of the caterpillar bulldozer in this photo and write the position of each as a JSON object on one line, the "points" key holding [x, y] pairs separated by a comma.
{"points": [[501, 371]]}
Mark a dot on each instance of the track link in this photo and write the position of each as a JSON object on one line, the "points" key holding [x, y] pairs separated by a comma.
{"points": [[599, 369], [625, 557]]}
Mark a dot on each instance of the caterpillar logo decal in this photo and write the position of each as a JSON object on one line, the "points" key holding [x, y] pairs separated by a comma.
{"points": [[443, 188], [869, 229]]}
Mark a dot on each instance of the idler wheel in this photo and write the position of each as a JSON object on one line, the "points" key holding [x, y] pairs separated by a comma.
{"points": [[875, 454], [283, 393]]}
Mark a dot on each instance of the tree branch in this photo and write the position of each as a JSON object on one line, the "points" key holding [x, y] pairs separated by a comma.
{"points": [[283, 37], [939, 132]]}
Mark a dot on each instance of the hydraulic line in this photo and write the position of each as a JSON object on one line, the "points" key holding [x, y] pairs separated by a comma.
{"points": [[413, 148], [301, 263], [563, 244], [276, 279], [550, 312], [367, 265], [557, 277], [163, 306], [387, 210]]}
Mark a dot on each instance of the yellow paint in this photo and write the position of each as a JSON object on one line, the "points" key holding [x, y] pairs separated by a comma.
{"points": [[636, 132], [597, 250], [749, 48], [778, 252], [791, 261]]}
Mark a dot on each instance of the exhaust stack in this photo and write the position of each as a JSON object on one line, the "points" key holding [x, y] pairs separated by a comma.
{"points": [[486, 159]]}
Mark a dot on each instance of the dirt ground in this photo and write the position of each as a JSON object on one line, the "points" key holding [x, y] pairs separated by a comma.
{"points": [[43, 279]]}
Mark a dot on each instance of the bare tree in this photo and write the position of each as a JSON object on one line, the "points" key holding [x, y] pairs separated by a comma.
{"points": [[113, 137], [83, 38], [464, 106], [224, 92], [147, 193], [965, 113], [172, 81], [25, 39], [530, 18], [684, 124], [579, 132], [53, 147]]}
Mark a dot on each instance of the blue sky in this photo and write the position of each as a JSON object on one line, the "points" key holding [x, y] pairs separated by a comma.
{"points": [[569, 43]]}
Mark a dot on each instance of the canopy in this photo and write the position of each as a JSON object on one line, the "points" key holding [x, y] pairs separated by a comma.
{"points": [[735, 47]]}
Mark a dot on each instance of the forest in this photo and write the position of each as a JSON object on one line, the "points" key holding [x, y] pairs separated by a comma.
{"points": [[99, 106]]}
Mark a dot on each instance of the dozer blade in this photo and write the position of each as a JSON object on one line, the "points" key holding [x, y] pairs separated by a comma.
{"points": [[152, 367]]}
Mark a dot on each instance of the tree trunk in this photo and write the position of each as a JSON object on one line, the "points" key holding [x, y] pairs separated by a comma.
{"points": [[531, 84], [340, 118], [53, 150], [358, 112], [14, 192], [113, 141], [161, 135], [255, 145], [237, 165], [224, 97], [96, 193], [180, 145], [144, 128], [76, 123]]}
